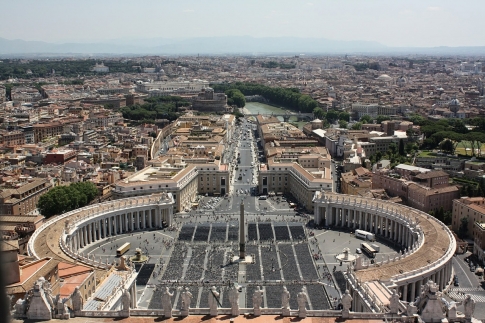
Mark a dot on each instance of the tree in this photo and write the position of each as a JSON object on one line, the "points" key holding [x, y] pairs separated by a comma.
{"points": [[463, 230], [344, 116], [357, 126], [62, 199], [381, 118], [318, 113], [366, 119], [401, 147], [447, 146], [343, 124], [235, 97], [332, 116], [393, 148]]}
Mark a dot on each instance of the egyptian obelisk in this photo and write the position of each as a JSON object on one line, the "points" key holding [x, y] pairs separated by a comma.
{"points": [[242, 233]]}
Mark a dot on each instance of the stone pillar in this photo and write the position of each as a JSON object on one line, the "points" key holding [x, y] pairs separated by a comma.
{"points": [[405, 293], [74, 242], [78, 240], [354, 220], [418, 287], [137, 226], [170, 216], [85, 236], [89, 233], [105, 227], [110, 225], [413, 292]]}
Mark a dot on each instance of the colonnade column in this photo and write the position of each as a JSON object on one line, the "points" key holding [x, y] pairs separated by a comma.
{"points": [[405, 293], [110, 225], [85, 237], [88, 232], [99, 230], [137, 220], [413, 292]]}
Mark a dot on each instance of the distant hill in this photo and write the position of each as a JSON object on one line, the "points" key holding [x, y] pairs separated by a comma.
{"points": [[222, 45]]}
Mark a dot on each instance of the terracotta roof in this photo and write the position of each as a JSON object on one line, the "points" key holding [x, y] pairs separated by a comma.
{"points": [[431, 174]]}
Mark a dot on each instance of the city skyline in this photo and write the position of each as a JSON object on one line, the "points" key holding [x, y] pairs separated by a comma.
{"points": [[396, 24]]}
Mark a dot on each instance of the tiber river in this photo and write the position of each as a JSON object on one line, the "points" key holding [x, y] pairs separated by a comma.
{"points": [[261, 108]]}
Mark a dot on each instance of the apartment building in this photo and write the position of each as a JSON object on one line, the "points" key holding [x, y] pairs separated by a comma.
{"points": [[47, 130], [12, 138], [356, 182], [382, 143], [59, 156], [300, 171], [424, 190], [472, 208], [361, 109], [22, 197]]}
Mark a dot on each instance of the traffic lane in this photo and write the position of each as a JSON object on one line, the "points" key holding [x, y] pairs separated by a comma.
{"points": [[466, 278]]}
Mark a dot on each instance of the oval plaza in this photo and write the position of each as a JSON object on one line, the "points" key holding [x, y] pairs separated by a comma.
{"points": [[415, 232], [370, 284]]}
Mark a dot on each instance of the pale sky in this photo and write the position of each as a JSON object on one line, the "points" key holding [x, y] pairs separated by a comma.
{"points": [[420, 23]]}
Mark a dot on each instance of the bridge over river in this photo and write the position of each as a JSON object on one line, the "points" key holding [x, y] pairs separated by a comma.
{"points": [[286, 116]]}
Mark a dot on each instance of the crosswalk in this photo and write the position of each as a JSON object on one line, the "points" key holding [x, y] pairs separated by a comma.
{"points": [[458, 294]]}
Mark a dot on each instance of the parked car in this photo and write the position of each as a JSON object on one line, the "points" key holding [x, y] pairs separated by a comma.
{"points": [[455, 281], [358, 251]]}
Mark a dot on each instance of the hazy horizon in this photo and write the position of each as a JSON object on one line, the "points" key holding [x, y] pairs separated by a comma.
{"points": [[413, 23]]}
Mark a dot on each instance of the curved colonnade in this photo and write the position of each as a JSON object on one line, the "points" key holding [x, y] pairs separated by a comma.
{"points": [[63, 236], [427, 243]]}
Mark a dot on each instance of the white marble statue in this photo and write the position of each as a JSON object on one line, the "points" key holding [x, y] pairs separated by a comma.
{"points": [[234, 300], [285, 298], [77, 300], [394, 302], [346, 304], [213, 301], [302, 299], [167, 302], [257, 300], [186, 299], [468, 307], [125, 301]]}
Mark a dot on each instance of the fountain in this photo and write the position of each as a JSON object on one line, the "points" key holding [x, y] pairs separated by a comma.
{"points": [[345, 256], [139, 257]]}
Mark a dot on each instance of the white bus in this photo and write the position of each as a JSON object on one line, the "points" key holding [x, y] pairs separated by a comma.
{"points": [[361, 234]]}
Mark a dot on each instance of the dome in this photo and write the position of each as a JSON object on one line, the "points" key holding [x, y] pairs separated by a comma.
{"points": [[384, 78], [402, 79], [454, 102], [316, 120]]}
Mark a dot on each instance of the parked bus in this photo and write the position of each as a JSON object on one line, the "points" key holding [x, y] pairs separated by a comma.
{"points": [[361, 234], [368, 250], [124, 248]]}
